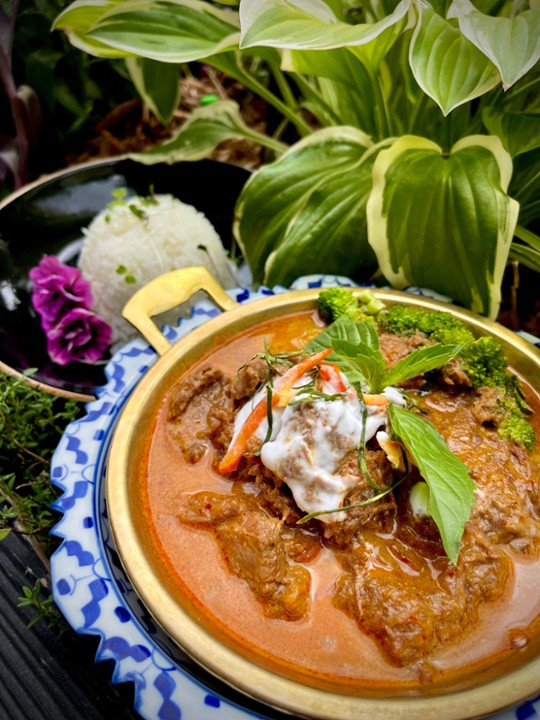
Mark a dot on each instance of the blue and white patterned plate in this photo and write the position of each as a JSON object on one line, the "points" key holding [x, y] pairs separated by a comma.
{"points": [[89, 585]]}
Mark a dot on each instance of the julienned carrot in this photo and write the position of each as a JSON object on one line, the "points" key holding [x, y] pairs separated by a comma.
{"points": [[257, 415], [331, 374]]}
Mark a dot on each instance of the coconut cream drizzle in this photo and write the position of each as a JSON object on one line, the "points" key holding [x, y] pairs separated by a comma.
{"points": [[310, 440]]}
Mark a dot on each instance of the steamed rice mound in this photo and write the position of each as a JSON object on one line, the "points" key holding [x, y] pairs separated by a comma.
{"points": [[133, 241]]}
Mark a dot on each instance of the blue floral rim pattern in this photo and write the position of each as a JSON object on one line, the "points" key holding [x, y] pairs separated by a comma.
{"points": [[89, 585]]}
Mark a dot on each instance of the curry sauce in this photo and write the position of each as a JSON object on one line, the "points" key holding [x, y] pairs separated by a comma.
{"points": [[371, 602]]}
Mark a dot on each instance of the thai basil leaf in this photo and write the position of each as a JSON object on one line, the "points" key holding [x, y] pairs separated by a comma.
{"points": [[448, 68], [451, 489], [355, 333], [357, 352], [511, 43], [420, 361], [444, 220], [370, 363], [366, 361]]}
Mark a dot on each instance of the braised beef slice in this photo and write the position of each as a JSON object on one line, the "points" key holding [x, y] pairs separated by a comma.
{"points": [[453, 374], [486, 406], [201, 413], [249, 379], [259, 550], [342, 531], [395, 347], [411, 613]]}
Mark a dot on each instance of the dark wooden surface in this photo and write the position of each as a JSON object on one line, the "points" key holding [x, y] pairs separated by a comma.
{"points": [[43, 675]]}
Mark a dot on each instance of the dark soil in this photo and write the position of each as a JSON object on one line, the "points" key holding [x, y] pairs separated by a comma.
{"points": [[130, 127]]}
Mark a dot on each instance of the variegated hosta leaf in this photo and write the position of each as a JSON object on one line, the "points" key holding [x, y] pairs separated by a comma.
{"points": [[448, 68], [308, 209], [158, 84], [173, 31], [305, 24], [519, 131], [512, 44], [444, 221], [203, 131], [354, 102], [77, 20]]}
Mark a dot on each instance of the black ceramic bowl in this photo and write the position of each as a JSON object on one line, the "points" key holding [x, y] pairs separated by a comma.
{"points": [[46, 217]]}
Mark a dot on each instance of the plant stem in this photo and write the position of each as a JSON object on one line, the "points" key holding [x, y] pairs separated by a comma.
{"points": [[382, 115], [234, 69]]}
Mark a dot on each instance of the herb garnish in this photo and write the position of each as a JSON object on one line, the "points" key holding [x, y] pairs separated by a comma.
{"points": [[451, 490], [317, 513], [357, 352]]}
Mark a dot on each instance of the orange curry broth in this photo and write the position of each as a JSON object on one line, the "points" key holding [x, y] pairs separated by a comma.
{"points": [[327, 649]]}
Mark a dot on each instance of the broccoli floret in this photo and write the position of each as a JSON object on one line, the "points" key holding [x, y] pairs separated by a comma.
{"points": [[517, 429], [439, 326], [513, 424], [483, 359], [485, 363], [401, 320], [336, 302]]}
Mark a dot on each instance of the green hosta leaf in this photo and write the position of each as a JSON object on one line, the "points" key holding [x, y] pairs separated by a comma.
{"points": [[307, 24], [375, 50], [158, 84], [173, 31], [519, 131], [77, 20], [451, 489], [512, 44], [285, 199], [329, 232], [448, 68], [203, 131], [444, 221], [353, 86]]}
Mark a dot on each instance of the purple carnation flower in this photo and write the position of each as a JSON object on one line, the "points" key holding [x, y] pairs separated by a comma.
{"points": [[57, 289], [79, 336]]}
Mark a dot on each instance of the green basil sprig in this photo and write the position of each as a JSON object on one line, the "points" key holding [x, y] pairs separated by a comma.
{"points": [[451, 489], [357, 352]]}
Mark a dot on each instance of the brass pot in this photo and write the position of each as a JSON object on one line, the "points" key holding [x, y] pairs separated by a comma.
{"points": [[148, 579]]}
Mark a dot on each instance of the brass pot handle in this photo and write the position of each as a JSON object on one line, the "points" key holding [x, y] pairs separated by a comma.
{"points": [[164, 293]]}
